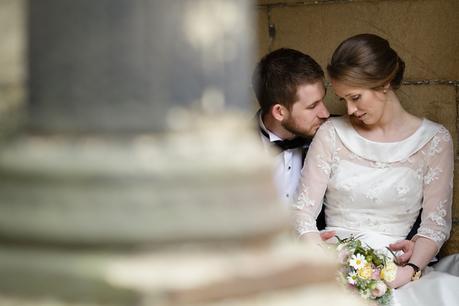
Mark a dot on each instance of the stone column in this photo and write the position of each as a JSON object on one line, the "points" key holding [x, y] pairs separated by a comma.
{"points": [[138, 179]]}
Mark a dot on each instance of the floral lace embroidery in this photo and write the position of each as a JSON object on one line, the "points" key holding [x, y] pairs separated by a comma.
{"points": [[439, 215], [402, 190], [432, 175], [419, 173], [373, 193], [305, 224], [436, 236], [304, 200], [434, 147], [444, 135], [323, 165]]}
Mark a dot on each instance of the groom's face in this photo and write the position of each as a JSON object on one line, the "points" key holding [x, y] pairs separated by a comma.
{"points": [[308, 112]]}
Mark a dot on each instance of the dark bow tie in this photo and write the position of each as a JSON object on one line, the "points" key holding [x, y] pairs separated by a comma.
{"points": [[287, 144], [297, 142]]}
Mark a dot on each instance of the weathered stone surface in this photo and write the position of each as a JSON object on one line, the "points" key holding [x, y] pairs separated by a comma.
{"points": [[423, 32], [263, 39], [12, 63], [311, 295], [138, 63], [435, 102], [12, 44], [176, 276], [452, 245], [146, 189]]}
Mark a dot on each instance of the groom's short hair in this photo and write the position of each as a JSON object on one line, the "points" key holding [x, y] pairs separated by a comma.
{"points": [[278, 75]]}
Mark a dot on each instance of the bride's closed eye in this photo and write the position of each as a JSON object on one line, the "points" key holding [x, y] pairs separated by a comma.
{"points": [[355, 98]]}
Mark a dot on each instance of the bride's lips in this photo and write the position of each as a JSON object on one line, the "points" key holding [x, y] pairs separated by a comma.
{"points": [[360, 116]]}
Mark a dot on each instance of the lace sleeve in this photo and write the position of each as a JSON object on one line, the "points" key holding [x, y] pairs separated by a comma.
{"points": [[438, 189], [314, 179]]}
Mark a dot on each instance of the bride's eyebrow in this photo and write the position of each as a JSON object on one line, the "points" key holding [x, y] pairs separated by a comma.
{"points": [[351, 94]]}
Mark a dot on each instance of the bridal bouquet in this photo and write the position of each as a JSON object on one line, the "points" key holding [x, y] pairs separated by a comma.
{"points": [[365, 269]]}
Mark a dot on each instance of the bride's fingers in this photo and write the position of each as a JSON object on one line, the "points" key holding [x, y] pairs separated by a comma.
{"points": [[327, 235], [403, 258], [397, 246]]}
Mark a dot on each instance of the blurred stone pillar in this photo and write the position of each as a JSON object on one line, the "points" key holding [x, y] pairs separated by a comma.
{"points": [[138, 180], [137, 126]]}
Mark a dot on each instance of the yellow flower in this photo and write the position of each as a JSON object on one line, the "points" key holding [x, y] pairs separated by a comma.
{"points": [[389, 272], [366, 271]]}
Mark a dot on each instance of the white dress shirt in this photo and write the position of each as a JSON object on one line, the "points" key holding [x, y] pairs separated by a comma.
{"points": [[288, 166]]}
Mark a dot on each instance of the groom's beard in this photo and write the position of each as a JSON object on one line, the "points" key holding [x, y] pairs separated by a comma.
{"points": [[296, 130]]}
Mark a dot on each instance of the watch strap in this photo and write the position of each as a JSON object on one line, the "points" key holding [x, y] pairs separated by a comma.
{"points": [[417, 271]]}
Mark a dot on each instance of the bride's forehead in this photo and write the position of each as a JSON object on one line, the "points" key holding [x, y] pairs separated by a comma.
{"points": [[342, 89]]}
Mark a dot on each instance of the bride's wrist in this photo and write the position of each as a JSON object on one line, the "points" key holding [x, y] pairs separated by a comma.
{"points": [[403, 276]]}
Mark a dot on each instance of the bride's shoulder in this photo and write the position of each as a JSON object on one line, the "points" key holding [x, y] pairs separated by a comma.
{"points": [[437, 130]]}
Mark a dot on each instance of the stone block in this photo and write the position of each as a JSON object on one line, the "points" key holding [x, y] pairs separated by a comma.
{"points": [[195, 54], [452, 245], [180, 275], [434, 102], [261, 32], [423, 32], [89, 190], [12, 44]]}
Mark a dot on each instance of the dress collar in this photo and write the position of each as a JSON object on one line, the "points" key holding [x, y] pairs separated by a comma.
{"points": [[383, 151]]}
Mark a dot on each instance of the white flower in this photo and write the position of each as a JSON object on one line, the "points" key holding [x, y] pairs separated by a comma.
{"points": [[379, 289], [357, 261], [389, 272], [351, 278]]}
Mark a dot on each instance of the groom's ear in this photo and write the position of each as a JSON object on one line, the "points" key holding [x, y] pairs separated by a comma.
{"points": [[278, 111]]}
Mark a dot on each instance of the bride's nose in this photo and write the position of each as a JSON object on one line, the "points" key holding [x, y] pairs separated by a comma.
{"points": [[350, 108]]}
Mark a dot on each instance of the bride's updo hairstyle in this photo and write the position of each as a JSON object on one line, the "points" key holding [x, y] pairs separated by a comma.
{"points": [[368, 61]]}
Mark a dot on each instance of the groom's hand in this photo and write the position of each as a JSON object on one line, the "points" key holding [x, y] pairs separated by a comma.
{"points": [[406, 246], [327, 235]]}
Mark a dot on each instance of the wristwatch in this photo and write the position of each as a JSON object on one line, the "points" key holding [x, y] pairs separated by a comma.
{"points": [[417, 272]]}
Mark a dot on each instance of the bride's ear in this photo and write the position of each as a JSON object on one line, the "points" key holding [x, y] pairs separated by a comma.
{"points": [[279, 112], [386, 87]]}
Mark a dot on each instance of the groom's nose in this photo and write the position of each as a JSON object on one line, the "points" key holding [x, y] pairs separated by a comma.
{"points": [[323, 111]]}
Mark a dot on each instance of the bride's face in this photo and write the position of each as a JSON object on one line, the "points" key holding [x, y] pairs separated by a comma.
{"points": [[364, 104]]}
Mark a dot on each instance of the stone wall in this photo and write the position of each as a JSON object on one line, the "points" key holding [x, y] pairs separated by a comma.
{"points": [[424, 32]]}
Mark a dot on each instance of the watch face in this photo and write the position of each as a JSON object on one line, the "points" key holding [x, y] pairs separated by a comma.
{"points": [[416, 275]]}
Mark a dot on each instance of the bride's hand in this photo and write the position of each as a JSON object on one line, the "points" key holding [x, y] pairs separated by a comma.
{"points": [[403, 276], [327, 235], [407, 246]]}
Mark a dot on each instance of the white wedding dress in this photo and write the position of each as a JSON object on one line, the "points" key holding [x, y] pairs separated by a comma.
{"points": [[376, 190]]}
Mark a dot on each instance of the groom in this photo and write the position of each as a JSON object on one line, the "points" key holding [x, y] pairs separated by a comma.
{"points": [[289, 86]]}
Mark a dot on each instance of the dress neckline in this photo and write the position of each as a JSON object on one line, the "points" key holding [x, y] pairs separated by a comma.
{"points": [[383, 151], [412, 135]]}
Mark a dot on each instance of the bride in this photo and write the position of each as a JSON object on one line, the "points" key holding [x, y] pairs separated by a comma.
{"points": [[375, 169]]}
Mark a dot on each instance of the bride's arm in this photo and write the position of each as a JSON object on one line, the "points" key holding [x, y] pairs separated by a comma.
{"points": [[314, 180], [437, 200], [424, 250]]}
